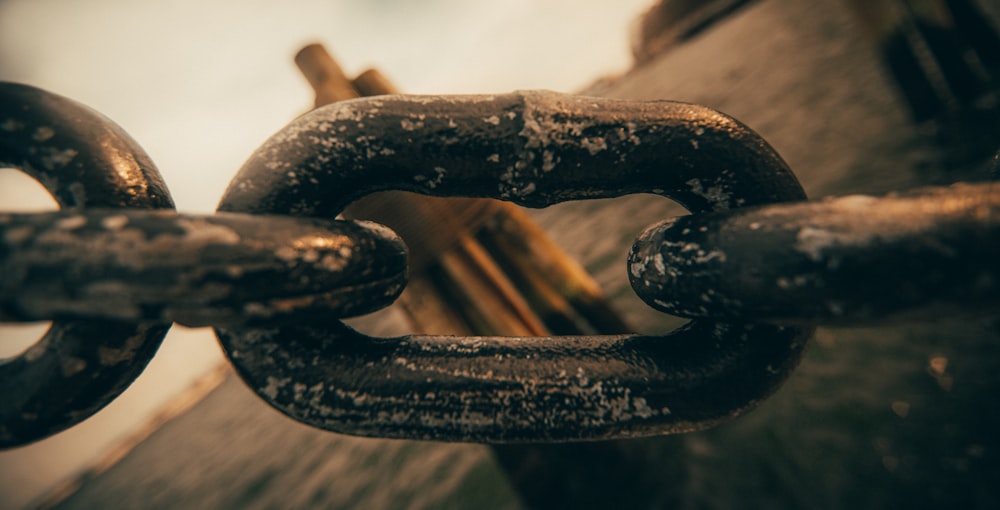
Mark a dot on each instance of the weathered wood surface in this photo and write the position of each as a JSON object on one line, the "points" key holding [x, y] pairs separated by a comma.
{"points": [[883, 417]]}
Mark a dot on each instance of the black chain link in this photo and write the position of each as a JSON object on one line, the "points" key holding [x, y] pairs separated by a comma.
{"points": [[84, 160], [274, 271], [848, 260], [221, 270], [535, 149]]}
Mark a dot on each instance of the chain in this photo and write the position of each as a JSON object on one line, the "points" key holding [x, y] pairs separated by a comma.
{"points": [[219, 270], [849, 260], [274, 271]]}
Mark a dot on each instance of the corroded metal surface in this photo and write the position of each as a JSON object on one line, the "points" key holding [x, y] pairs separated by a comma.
{"points": [[531, 148], [83, 160], [535, 149], [503, 389], [847, 260], [80, 156], [226, 269]]}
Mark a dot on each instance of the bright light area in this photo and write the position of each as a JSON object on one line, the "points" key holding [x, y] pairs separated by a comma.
{"points": [[20, 193]]}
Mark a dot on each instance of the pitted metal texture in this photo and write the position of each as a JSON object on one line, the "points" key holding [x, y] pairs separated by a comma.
{"points": [[84, 160], [224, 269], [504, 389], [535, 149], [855, 259]]}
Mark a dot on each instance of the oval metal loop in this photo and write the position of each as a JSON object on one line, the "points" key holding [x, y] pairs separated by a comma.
{"points": [[535, 149], [851, 259], [531, 148], [221, 270], [84, 160], [503, 389]]}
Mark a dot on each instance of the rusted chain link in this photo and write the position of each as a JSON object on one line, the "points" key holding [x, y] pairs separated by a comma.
{"points": [[84, 160], [532, 148], [226, 269], [847, 260], [536, 149], [505, 389]]}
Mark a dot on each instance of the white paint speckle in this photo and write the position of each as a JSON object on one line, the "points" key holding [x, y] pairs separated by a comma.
{"points": [[439, 172], [548, 161], [813, 242], [71, 223], [198, 230], [636, 269], [704, 257], [43, 134], [274, 385], [409, 125], [717, 195], [53, 158], [594, 145], [116, 222], [72, 365]]}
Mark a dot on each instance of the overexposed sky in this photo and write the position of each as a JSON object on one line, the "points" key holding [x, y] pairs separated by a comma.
{"points": [[200, 84]]}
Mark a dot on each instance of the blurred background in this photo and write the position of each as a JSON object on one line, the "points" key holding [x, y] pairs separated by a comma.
{"points": [[875, 417]]}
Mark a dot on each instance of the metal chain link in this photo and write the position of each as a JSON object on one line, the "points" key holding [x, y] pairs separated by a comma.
{"points": [[220, 270], [847, 260], [534, 149], [84, 160], [274, 271]]}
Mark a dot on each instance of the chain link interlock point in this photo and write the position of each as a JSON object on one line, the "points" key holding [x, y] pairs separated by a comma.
{"points": [[84, 160], [224, 269], [114, 274], [908, 256], [535, 149]]}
